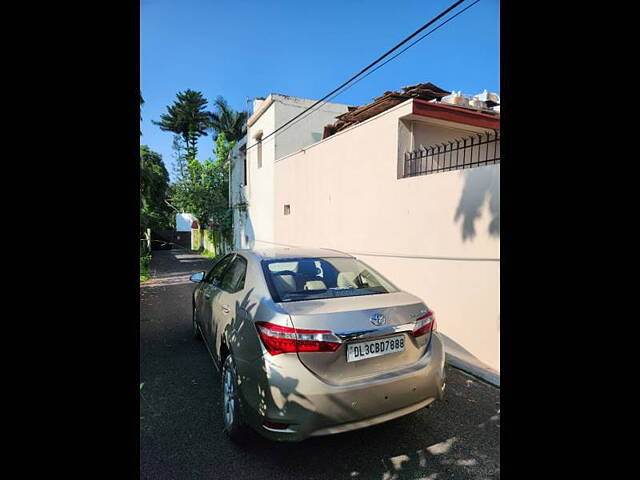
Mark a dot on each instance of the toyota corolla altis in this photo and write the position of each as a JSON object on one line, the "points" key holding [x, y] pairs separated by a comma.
{"points": [[314, 342]]}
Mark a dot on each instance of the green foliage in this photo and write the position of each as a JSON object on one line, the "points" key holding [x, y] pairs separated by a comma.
{"points": [[204, 190], [188, 118], [202, 187], [227, 121], [209, 254], [144, 267], [154, 185]]}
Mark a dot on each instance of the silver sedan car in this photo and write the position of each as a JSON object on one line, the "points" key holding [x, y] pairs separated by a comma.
{"points": [[314, 342]]}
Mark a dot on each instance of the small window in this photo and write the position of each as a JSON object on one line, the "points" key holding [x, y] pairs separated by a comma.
{"points": [[259, 148], [287, 209]]}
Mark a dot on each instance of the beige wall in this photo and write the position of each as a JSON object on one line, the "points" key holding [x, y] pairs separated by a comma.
{"points": [[345, 193]]}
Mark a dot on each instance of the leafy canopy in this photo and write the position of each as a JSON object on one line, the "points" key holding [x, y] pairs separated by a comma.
{"points": [[226, 120], [188, 118], [204, 189]]}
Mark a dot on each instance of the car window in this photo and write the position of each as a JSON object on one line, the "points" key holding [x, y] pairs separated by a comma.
{"points": [[218, 269], [233, 278], [314, 278]]}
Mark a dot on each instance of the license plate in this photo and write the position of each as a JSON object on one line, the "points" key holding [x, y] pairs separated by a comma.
{"points": [[375, 348]]}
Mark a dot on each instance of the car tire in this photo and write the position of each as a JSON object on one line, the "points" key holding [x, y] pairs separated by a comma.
{"points": [[232, 421], [196, 331]]}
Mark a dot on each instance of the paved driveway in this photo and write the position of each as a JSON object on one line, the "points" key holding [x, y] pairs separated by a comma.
{"points": [[181, 425]]}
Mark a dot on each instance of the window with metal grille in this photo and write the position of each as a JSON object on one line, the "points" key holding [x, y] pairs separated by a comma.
{"points": [[467, 152]]}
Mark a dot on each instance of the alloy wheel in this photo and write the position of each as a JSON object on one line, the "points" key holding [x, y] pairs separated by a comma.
{"points": [[228, 398]]}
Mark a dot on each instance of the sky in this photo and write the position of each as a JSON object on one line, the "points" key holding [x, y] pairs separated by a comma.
{"points": [[246, 49]]}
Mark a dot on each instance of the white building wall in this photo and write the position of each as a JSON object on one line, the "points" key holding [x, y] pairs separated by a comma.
{"points": [[260, 180], [238, 196], [432, 235], [279, 109], [308, 129]]}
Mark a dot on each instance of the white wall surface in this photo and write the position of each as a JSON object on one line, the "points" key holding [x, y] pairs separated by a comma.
{"points": [[345, 194], [260, 180], [238, 197], [260, 191], [305, 131]]}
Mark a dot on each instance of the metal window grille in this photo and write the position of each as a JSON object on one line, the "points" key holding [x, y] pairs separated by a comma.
{"points": [[467, 152]]}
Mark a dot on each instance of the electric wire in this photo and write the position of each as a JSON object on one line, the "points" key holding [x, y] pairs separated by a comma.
{"points": [[368, 67], [309, 112]]}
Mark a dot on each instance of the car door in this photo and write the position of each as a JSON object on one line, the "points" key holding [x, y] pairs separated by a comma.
{"points": [[229, 300], [204, 308]]}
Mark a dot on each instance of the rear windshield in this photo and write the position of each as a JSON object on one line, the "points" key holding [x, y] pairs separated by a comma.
{"points": [[313, 278]]}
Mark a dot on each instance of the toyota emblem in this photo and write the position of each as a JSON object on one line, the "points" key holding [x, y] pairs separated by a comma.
{"points": [[378, 319]]}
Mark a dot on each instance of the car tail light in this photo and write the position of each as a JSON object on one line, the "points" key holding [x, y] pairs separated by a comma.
{"points": [[275, 426], [424, 324], [279, 339]]}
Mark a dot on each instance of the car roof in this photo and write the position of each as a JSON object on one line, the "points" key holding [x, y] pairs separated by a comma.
{"points": [[271, 253]]}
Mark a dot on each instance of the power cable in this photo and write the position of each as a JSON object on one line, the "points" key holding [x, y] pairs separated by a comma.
{"points": [[368, 67], [380, 66]]}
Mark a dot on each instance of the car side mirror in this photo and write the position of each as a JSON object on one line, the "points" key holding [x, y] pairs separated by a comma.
{"points": [[197, 277]]}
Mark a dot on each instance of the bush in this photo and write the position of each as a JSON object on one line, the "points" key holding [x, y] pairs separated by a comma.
{"points": [[144, 267]]}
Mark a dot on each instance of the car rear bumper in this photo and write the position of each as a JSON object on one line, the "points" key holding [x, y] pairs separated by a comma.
{"points": [[281, 389]]}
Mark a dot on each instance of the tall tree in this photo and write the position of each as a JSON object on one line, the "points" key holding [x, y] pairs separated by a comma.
{"points": [[188, 118], [226, 120]]}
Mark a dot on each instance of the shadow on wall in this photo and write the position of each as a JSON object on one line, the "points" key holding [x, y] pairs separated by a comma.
{"points": [[246, 237], [481, 184], [250, 239]]}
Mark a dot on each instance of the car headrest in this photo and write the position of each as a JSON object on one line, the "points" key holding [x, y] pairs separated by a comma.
{"points": [[315, 285], [285, 283], [346, 279]]}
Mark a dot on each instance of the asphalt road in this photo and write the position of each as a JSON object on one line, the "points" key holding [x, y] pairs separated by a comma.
{"points": [[181, 423]]}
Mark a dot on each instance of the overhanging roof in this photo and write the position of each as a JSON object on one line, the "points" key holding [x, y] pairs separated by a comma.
{"points": [[451, 113]]}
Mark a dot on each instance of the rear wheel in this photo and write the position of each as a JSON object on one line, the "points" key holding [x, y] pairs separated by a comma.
{"points": [[234, 425]]}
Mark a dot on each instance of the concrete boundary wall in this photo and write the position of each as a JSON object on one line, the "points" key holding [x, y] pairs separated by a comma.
{"points": [[436, 236]]}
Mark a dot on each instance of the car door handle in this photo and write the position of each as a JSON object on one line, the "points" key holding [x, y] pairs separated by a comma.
{"points": [[225, 308]]}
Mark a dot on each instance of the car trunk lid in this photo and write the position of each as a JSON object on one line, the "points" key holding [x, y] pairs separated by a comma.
{"points": [[350, 318]]}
